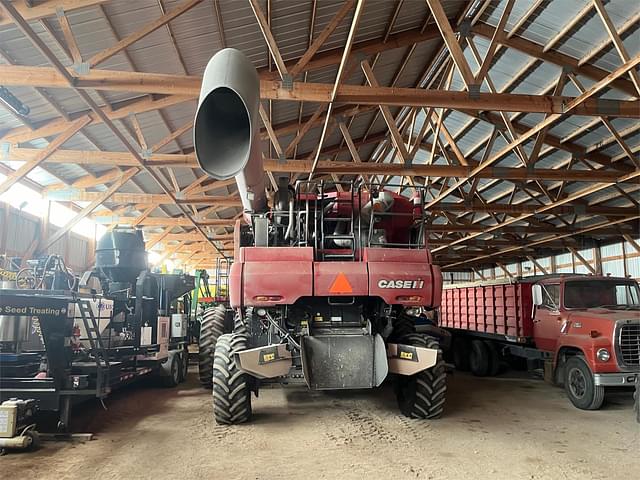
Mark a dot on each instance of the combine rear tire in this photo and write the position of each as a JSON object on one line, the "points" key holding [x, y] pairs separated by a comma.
{"points": [[211, 328], [423, 395], [231, 389]]}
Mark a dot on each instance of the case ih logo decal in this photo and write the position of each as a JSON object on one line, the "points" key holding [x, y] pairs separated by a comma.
{"points": [[401, 284]]}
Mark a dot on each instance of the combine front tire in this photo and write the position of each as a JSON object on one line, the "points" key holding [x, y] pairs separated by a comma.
{"points": [[211, 328], [231, 389], [423, 395]]}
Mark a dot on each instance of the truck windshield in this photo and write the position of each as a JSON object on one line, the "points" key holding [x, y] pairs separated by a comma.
{"points": [[601, 293]]}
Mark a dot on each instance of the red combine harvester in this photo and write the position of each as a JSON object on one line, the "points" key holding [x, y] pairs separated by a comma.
{"points": [[326, 282]]}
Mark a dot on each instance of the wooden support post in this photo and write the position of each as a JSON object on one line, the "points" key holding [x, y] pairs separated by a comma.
{"points": [[597, 259]]}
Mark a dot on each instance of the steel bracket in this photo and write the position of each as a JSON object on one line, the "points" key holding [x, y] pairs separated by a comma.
{"points": [[5, 147], [607, 107], [81, 68], [287, 82], [465, 28]]}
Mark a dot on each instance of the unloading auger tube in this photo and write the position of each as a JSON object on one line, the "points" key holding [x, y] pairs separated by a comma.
{"points": [[226, 128]]}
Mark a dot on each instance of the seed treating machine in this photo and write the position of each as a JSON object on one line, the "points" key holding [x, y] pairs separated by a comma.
{"points": [[59, 345]]}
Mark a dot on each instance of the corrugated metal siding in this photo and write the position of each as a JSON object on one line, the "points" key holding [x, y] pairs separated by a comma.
{"points": [[21, 230], [612, 257]]}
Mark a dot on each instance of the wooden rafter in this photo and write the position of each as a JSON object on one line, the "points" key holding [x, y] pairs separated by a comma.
{"points": [[104, 196], [617, 41], [47, 9], [340, 76], [263, 23], [13, 75], [451, 42], [150, 27], [43, 154]]}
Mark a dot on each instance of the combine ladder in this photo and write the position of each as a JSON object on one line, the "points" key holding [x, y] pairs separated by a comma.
{"points": [[349, 235]]}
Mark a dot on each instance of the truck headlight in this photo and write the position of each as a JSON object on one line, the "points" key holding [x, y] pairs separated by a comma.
{"points": [[603, 355]]}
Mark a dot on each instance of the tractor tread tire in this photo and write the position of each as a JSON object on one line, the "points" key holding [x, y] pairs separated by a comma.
{"points": [[231, 389], [212, 326], [402, 326], [423, 395]]}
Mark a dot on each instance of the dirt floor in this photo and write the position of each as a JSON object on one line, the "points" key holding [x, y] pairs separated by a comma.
{"points": [[494, 428]]}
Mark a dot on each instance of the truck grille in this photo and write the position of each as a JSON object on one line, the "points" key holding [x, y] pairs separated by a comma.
{"points": [[629, 346]]}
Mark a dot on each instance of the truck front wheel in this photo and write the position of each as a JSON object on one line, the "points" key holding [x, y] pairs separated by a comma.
{"points": [[580, 386]]}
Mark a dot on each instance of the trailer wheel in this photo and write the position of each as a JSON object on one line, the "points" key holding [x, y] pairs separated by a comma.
{"points": [[423, 395], [494, 358], [34, 440], [479, 358], [461, 354], [171, 370], [579, 385], [211, 327], [184, 359], [231, 389]]}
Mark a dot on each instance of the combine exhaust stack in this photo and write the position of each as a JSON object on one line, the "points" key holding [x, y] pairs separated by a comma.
{"points": [[226, 128]]}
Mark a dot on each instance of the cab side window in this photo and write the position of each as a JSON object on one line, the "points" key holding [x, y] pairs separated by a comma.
{"points": [[551, 297]]}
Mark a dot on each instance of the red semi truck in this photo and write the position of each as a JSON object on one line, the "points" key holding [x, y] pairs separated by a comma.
{"points": [[583, 330]]}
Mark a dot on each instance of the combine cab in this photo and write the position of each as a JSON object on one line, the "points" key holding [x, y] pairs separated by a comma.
{"points": [[326, 282]]}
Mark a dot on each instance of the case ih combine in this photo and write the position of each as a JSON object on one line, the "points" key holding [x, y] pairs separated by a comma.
{"points": [[323, 280]]}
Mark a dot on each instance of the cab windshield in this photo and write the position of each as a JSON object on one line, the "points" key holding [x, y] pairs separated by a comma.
{"points": [[601, 293]]}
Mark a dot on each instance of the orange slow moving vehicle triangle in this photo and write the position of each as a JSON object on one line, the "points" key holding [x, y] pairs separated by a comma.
{"points": [[341, 285]]}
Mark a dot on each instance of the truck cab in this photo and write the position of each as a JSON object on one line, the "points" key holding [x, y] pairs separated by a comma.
{"points": [[590, 326]]}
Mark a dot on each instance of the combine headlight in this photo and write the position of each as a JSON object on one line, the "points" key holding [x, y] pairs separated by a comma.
{"points": [[414, 311], [261, 312], [603, 355]]}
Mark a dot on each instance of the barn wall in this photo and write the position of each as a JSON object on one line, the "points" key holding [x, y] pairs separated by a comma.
{"points": [[19, 229]]}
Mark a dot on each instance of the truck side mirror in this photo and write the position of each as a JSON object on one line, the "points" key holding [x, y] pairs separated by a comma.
{"points": [[537, 295]]}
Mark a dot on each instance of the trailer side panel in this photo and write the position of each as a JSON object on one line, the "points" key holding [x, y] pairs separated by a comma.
{"points": [[503, 309]]}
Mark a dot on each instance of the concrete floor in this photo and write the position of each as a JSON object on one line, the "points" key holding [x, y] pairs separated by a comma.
{"points": [[494, 428]]}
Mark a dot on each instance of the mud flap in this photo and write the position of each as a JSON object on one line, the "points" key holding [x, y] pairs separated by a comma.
{"points": [[332, 362], [409, 360], [265, 362]]}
